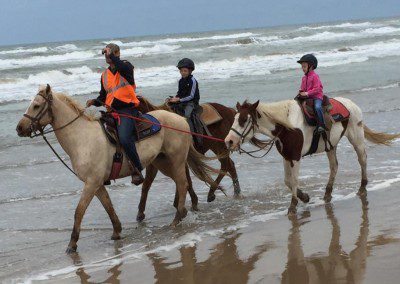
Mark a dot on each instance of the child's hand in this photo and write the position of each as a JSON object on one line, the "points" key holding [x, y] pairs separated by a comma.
{"points": [[174, 100], [303, 94]]}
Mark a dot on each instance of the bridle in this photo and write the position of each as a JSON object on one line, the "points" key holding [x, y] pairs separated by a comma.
{"points": [[252, 120], [35, 120], [39, 130], [244, 134]]}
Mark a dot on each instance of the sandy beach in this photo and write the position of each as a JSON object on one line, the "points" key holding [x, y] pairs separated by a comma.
{"points": [[352, 241]]}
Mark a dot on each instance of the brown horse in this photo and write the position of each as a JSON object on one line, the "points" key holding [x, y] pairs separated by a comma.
{"points": [[219, 130]]}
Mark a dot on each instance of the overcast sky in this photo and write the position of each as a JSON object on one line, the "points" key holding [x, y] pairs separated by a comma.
{"points": [[32, 21]]}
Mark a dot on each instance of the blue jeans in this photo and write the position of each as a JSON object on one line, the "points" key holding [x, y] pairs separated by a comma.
{"points": [[127, 135], [318, 110]]}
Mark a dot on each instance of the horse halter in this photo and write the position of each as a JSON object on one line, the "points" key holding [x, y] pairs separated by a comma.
{"points": [[244, 134], [35, 125]]}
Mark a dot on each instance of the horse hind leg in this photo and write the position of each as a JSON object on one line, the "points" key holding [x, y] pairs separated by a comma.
{"points": [[333, 166], [181, 190], [151, 172], [105, 200], [193, 195], [356, 139]]}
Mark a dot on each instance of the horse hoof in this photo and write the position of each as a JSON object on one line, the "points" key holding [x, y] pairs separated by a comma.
{"points": [[140, 217], [195, 207], [183, 212], [115, 236], [70, 250], [327, 198], [175, 222], [306, 198], [210, 197]]}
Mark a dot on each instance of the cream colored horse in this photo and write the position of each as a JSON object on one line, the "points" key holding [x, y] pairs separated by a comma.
{"points": [[92, 154], [284, 122]]}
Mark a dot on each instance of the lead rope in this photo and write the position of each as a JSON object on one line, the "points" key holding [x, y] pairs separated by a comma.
{"points": [[55, 153]]}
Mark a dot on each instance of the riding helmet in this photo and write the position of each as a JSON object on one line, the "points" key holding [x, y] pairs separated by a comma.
{"points": [[186, 63], [310, 59]]}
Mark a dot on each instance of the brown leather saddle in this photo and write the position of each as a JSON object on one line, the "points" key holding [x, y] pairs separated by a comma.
{"points": [[147, 126]]}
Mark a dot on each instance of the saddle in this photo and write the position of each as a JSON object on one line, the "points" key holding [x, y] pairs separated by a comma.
{"points": [[209, 115], [144, 129], [334, 111], [148, 126]]}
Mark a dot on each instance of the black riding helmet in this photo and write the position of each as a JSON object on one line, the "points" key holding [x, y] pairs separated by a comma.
{"points": [[310, 59], [186, 63]]}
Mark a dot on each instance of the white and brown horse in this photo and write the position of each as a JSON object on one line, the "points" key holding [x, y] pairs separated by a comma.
{"points": [[82, 138], [285, 123]]}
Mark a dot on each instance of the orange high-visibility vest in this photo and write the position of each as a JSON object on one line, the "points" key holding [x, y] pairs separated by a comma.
{"points": [[118, 87]]}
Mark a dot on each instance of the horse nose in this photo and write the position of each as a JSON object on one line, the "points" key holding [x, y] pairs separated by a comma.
{"points": [[230, 142], [19, 129]]}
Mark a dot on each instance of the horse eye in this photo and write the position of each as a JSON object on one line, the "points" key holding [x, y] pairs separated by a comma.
{"points": [[35, 107]]}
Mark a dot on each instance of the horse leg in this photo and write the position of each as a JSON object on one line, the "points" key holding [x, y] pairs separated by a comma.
{"points": [[105, 200], [224, 166], [193, 195], [333, 166], [357, 140], [235, 178], [292, 181], [151, 172], [87, 195], [181, 188]]}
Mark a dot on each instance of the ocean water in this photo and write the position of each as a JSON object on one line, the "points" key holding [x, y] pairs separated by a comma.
{"points": [[358, 60]]}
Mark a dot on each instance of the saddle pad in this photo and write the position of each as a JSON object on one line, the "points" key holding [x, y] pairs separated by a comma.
{"points": [[209, 115], [147, 129], [338, 112], [336, 109], [144, 129]]}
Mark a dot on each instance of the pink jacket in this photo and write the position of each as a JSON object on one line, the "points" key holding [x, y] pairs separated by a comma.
{"points": [[311, 84]]}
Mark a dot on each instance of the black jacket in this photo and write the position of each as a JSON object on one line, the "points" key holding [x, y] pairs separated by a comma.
{"points": [[188, 90], [125, 68]]}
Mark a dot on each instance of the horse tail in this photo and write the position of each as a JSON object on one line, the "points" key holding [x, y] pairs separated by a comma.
{"points": [[379, 137], [198, 166]]}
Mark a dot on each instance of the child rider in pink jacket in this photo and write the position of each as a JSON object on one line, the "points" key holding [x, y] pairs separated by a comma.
{"points": [[311, 87]]}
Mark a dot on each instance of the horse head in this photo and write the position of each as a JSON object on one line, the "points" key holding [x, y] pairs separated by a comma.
{"points": [[38, 114], [243, 127]]}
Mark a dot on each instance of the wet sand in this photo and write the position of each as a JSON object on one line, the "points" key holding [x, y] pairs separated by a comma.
{"points": [[350, 241]]}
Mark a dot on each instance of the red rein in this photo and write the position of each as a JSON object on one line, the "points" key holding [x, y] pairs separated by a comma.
{"points": [[118, 115]]}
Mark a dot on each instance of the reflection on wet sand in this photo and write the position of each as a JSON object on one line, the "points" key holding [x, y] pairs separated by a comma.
{"points": [[223, 265], [114, 271], [337, 266]]}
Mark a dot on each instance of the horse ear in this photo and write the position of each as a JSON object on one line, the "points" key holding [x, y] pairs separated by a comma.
{"points": [[48, 89], [238, 106], [255, 105]]}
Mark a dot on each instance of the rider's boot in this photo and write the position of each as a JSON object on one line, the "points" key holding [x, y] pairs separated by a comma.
{"points": [[137, 177]]}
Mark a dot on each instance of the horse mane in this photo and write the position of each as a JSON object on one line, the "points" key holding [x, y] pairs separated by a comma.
{"points": [[77, 107], [150, 107], [278, 112]]}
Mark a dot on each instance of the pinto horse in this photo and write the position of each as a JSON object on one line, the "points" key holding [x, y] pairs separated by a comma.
{"points": [[285, 123], [92, 154], [219, 130]]}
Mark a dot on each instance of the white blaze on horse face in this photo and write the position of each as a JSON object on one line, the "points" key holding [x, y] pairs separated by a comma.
{"points": [[232, 140]]}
